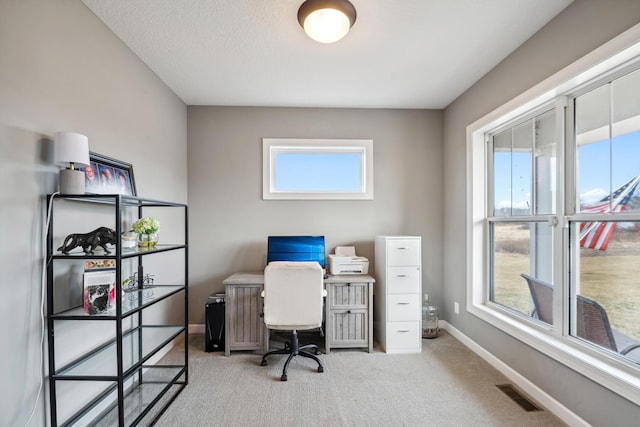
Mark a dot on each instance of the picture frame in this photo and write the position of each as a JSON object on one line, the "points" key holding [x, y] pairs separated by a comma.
{"points": [[106, 175]]}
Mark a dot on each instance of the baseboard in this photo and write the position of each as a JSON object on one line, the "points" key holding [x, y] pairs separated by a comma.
{"points": [[535, 392], [196, 328]]}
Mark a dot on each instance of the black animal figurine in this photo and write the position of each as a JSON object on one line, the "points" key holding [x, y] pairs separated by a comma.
{"points": [[89, 241]]}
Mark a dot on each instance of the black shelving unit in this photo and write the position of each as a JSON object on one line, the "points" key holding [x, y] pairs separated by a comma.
{"points": [[110, 381]]}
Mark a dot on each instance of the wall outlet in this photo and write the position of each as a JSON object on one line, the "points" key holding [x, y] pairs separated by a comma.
{"points": [[456, 307]]}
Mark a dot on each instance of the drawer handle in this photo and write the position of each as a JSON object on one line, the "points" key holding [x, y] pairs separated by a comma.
{"points": [[403, 303], [402, 249], [403, 331], [402, 275]]}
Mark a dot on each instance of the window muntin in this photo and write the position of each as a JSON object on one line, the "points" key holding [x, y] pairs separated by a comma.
{"points": [[317, 169]]}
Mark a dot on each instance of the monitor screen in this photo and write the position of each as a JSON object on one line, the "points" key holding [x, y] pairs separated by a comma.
{"points": [[296, 248]]}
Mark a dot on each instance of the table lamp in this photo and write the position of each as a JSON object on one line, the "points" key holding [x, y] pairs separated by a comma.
{"points": [[72, 151]]}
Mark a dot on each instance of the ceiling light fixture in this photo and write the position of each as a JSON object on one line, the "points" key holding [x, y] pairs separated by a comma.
{"points": [[326, 21]]}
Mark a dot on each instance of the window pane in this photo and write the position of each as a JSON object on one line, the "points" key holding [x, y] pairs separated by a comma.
{"points": [[605, 307], [625, 98], [318, 171], [512, 171], [545, 163], [521, 168], [593, 157], [502, 174], [511, 254]]}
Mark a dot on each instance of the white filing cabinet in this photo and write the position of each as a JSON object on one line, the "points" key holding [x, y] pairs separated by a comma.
{"points": [[397, 293]]}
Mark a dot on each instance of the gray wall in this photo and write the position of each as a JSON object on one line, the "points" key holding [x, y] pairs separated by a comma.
{"points": [[61, 69], [579, 29], [225, 189]]}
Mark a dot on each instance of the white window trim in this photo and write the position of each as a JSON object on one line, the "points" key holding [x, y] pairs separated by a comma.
{"points": [[617, 375], [273, 146]]}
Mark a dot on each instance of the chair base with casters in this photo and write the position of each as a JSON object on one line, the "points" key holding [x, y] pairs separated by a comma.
{"points": [[293, 349]]}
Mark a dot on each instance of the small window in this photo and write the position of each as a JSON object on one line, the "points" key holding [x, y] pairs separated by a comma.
{"points": [[317, 169]]}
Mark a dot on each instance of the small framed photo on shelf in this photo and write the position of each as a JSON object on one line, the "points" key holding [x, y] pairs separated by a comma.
{"points": [[99, 294], [99, 291], [105, 175]]}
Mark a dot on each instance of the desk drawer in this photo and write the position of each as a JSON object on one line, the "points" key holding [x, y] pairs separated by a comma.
{"points": [[403, 252], [403, 307], [403, 336], [348, 295], [403, 280]]}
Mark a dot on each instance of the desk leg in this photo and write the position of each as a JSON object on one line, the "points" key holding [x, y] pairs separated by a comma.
{"points": [[266, 333], [227, 327]]}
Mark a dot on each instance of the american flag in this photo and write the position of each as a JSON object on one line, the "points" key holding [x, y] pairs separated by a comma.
{"points": [[596, 234]]}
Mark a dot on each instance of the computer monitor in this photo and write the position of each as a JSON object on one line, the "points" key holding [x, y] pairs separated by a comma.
{"points": [[296, 248]]}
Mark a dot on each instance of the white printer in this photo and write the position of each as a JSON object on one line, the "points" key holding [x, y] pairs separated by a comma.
{"points": [[345, 261]]}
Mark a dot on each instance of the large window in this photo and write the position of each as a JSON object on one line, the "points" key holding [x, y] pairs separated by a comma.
{"points": [[554, 219]]}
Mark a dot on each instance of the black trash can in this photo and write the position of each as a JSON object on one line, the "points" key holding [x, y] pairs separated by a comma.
{"points": [[214, 323]]}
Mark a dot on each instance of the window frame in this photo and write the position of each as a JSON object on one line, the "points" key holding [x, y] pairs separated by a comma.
{"points": [[271, 147], [614, 373]]}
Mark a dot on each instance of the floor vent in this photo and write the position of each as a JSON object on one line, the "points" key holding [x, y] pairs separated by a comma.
{"points": [[515, 395]]}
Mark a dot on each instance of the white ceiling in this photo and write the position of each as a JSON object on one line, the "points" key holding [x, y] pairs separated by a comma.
{"points": [[399, 53]]}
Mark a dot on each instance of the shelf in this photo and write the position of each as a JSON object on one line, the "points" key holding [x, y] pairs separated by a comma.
{"points": [[126, 253], [137, 345], [132, 302], [109, 380], [110, 199], [158, 382]]}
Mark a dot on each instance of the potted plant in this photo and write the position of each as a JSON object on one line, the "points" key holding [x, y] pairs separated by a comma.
{"points": [[147, 229]]}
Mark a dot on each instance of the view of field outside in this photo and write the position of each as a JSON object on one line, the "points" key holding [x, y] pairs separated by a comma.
{"points": [[607, 277]]}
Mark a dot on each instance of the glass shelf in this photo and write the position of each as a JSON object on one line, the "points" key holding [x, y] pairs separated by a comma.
{"points": [[110, 199], [137, 345], [132, 301], [139, 397], [126, 253]]}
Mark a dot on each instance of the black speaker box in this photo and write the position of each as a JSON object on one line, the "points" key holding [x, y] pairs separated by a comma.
{"points": [[214, 325]]}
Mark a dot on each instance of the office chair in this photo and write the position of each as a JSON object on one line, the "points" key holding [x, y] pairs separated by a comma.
{"points": [[293, 296]]}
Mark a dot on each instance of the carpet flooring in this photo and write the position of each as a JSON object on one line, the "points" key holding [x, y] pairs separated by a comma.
{"points": [[444, 385]]}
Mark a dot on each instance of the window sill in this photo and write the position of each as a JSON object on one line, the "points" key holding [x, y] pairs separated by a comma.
{"points": [[614, 373]]}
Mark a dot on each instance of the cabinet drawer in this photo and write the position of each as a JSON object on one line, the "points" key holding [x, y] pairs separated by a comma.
{"points": [[349, 327], [403, 307], [403, 336], [403, 280], [402, 252], [348, 295]]}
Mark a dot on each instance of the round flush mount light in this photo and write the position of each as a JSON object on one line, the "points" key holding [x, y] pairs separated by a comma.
{"points": [[326, 21]]}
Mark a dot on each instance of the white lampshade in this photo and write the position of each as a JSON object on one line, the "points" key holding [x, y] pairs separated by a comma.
{"points": [[326, 21], [71, 149]]}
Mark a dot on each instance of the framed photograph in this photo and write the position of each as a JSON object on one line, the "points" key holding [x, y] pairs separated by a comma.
{"points": [[105, 175]]}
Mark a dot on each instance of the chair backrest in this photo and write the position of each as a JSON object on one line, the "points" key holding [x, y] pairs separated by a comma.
{"points": [[542, 296], [293, 293], [592, 322]]}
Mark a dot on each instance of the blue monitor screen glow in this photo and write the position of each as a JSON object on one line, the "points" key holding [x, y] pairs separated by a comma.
{"points": [[296, 248]]}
